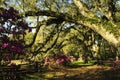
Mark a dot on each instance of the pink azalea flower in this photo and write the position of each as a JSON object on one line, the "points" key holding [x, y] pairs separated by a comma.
{"points": [[5, 45]]}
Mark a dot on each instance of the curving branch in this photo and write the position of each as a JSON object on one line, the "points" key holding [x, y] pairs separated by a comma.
{"points": [[81, 7], [46, 41], [39, 50], [95, 24], [35, 35]]}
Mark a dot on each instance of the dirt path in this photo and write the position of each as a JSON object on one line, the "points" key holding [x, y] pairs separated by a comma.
{"points": [[80, 73], [83, 73]]}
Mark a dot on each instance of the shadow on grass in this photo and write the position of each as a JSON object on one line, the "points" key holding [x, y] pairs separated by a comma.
{"points": [[78, 73], [96, 74]]}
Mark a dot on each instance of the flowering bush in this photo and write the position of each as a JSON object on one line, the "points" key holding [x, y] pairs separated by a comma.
{"points": [[62, 59], [56, 60], [12, 31]]}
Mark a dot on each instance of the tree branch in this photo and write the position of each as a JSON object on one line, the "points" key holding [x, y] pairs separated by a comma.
{"points": [[35, 35], [92, 23], [46, 41], [53, 44]]}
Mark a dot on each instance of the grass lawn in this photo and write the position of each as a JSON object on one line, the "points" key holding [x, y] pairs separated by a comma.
{"points": [[80, 63]]}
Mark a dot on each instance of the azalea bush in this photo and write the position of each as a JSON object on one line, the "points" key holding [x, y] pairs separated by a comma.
{"points": [[57, 59], [62, 59], [13, 28]]}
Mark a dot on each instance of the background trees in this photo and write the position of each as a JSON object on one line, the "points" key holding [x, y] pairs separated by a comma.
{"points": [[78, 25]]}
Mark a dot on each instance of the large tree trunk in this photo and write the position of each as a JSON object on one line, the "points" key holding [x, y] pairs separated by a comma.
{"points": [[110, 37], [97, 26], [100, 28], [86, 18]]}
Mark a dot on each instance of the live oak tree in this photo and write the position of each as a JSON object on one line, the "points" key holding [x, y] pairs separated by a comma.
{"points": [[99, 15], [105, 23]]}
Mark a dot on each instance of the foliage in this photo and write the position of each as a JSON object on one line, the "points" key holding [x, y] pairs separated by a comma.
{"points": [[79, 64], [12, 32], [83, 25], [59, 59]]}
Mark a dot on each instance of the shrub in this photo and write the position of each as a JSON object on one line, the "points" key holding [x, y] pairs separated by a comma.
{"points": [[61, 59], [58, 59], [12, 32]]}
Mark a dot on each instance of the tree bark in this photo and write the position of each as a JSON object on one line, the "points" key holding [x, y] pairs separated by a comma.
{"points": [[100, 29]]}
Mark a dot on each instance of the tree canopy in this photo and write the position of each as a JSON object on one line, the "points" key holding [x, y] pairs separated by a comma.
{"points": [[101, 16]]}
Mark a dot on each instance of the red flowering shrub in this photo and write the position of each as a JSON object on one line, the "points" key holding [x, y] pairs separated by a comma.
{"points": [[12, 27], [56, 61], [61, 59]]}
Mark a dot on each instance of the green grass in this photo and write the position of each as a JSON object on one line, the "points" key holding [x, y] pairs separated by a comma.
{"points": [[90, 63], [80, 63]]}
